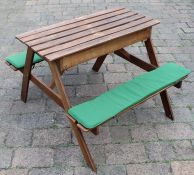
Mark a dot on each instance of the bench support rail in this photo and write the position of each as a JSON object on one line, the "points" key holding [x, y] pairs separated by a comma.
{"points": [[134, 60]]}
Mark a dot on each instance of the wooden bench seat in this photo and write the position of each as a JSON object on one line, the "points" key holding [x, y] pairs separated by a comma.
{"points": [[95, 112], [18, 60]]}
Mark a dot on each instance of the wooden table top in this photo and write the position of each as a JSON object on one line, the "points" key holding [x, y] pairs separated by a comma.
{"points": [[68, 37]]}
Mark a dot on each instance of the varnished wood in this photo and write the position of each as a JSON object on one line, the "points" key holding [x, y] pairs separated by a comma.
{"points": [[67, 22], [103, 49], [83, 147], [82, 128], [59, 84], [151, 52], [95, 131], [140, 63], [164, 95], [76, 27], [82, 30], [133, 59], [52, 84], [69, 37], [72, 42], [44, 87], [98, 63], [166, 103], [66, 104], [71, 118], [26, 74], [73, 37], [97, 39], [178, 85]]}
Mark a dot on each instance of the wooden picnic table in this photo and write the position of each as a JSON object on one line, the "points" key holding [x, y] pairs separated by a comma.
{"points": [[69, 43]]}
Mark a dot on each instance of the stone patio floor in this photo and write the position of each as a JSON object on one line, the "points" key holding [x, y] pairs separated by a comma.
{"points": [[36, 138]]}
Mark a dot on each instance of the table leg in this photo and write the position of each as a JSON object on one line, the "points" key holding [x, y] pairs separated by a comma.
{"points": [[26, 74], [179, 85], [166, 103], [52, 84], [83, 146], [98, 63], [164, 95], [95, 131], [59, 85], [78, 134]]}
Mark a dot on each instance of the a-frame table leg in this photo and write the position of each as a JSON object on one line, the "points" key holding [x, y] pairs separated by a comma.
{"points": [[98, 63], [26, 74], [65, 100], [83, 146], [95, 131], [164, 95], [52, 84], [59, 85]]}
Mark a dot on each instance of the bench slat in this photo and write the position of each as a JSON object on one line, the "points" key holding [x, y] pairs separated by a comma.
{"points": [[95, 112]]}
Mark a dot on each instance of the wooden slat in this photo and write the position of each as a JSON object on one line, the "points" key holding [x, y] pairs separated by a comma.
{"points": [[71, 26], [103, 49], [81, 30], [68, 22], [88, 33], [94, 38], [100, 40]]}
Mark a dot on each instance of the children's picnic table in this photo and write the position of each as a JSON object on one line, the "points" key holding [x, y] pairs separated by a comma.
{"points": [[69, 43]]}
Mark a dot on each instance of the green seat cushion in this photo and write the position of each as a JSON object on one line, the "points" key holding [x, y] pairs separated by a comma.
{"points": [[94, 112], [18, 59]]}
